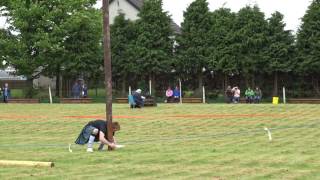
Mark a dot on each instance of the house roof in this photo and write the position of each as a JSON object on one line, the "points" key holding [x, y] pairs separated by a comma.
{"points": [[5, 75], [138, 5]]}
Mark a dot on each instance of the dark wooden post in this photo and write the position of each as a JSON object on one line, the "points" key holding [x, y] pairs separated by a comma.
{"points": [[107, 68]]}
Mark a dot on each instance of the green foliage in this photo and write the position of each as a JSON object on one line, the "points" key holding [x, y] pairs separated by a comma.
{"points": [[7, 43], [223, 54], [251, 39], [123, 38], [44, 30], [308, 41], [193, 44], [154, 44], [82, 43], [280, 50]]}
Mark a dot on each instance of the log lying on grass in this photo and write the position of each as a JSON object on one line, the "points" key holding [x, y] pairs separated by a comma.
{"points": [[26, 163]]}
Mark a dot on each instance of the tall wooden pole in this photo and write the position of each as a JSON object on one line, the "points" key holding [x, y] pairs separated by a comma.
{"points": [[107, 68]]}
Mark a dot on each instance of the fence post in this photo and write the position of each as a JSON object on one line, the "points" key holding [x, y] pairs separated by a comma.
{"points": [[180, 89], [50, 95], [150, 88], [203, 95], [284, 95]]}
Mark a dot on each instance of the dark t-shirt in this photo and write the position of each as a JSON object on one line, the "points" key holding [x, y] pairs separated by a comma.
{"points": [[229, 93], [101, 125]]}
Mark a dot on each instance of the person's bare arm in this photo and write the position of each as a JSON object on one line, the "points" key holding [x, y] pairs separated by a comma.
{"points": [[103, 140], [114, 140]]}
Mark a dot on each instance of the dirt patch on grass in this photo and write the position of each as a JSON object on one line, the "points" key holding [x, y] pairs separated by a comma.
{"points": [[103, 117]]}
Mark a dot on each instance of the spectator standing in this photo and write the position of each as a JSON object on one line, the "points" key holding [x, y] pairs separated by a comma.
{"points": [[76, 89], [84, 91], [249, 95], [169, 95], [229, 94], [6, 92], [236, 94], [257, 95]]}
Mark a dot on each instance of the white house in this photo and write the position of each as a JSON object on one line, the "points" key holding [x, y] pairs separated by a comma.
{"points": [[131, 9]]}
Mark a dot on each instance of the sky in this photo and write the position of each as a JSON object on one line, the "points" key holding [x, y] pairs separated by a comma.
{"points": [[293, 10]]}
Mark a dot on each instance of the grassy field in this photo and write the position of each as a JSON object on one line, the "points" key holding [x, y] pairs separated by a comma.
{"points": [[170, 141]]}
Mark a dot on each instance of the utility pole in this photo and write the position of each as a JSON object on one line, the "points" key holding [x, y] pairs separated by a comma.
{"points": [[107, 68]]}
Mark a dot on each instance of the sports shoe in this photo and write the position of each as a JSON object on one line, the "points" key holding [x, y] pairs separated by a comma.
{"points": [[90, 150], [102, 147]]}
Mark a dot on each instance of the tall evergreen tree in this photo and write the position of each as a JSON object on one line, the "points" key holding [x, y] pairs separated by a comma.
{"points": [[82, 43], [223, 56], [251, 40], [194, 42], [123, 37], [154, 45], [308, 44], [279, 50]]}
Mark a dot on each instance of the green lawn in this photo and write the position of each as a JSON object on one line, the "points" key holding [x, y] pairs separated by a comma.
{"points": [[170, 141]]}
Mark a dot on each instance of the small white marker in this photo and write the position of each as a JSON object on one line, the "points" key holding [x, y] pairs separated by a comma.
{"points": [[119, 146], [70, 150], [269, 133]]}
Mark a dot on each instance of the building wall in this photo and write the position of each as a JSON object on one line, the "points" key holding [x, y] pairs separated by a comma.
{"points": [[44, 82], [122, 6]]}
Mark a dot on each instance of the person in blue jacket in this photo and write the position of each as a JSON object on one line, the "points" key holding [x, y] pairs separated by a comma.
{"points": [[6, 93], [176, 94]]}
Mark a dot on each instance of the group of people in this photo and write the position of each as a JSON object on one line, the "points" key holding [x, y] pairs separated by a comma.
{"points": [[252, 96], [79, 90], [172, 95], [5, 92]]}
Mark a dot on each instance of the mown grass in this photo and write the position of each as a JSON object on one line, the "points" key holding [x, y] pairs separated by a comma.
{"points": [[170, 141]]}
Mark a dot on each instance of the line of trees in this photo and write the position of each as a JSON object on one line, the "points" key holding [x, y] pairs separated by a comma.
{"points": [[214, 49], [222, 48]]}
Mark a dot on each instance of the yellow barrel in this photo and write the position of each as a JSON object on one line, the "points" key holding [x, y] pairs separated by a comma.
{"points": [[275, 100]]}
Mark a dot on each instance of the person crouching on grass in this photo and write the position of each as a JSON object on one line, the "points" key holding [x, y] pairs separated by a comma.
{"points": [[96, 131]]}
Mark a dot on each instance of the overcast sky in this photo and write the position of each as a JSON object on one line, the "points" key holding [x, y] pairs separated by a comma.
{"points": [[293, 10]]}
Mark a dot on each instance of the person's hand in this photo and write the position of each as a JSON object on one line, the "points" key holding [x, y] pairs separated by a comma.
{"points": [[112, 145]]}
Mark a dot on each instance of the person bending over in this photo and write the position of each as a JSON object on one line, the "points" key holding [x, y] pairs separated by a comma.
{"points": [[138, 98], [96, 131]]}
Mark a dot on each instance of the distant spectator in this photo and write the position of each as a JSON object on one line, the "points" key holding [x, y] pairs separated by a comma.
{"points": [[138, 98], [84, 90], [236, 94], [257, 95], [176, 94], [249, 95], [229, 94], [169, 95], [6, 93], [76, 90]]}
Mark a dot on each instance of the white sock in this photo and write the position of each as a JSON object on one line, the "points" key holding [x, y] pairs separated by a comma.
{"points": [[91, 141]]}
